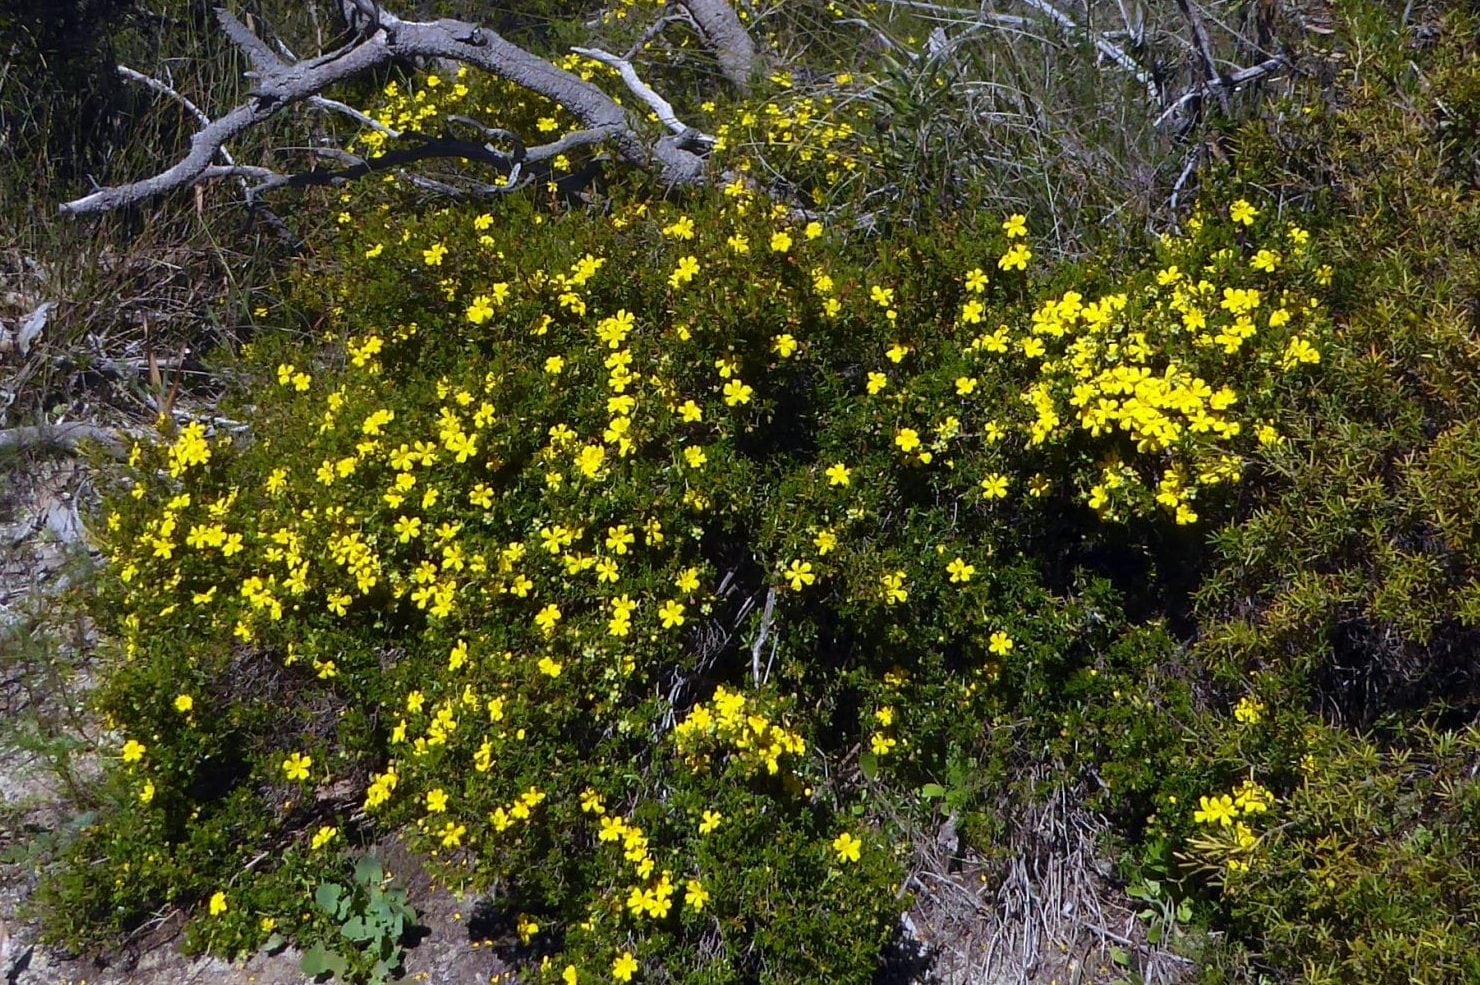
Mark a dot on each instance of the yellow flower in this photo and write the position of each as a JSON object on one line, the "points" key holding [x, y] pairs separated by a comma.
{"points": [[133, 751], [407, 528], [799, 575], [323, 836], [994, 486], [671, 613], [452, 834], [784, 345], [737, 393], [1299, 351], [687, 267], [1242, 211], [480, 310], [847, 847], [437, 801], [619, 538], [965, 386], [1216, 810], [1265, 261], [547, 617], [908, 439], [624, 967], [146, 793], [570, 976], [682, 228], [695, 895], [960, 571], [1248, 711], [838, 474], [184, 703], [976, 280], [877, 382], [1015, 225], [1000, 643], [218, 904], [894, 590], [297, 765], [710, 822], [1016, 258], [434, 254], [780, 242]]}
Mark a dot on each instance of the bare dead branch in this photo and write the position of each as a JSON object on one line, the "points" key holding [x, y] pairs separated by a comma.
{"points": [[257, 208], [1204, 47], [280, 85], [662, 107], [265, 63], [732, 44], [363, 119], [67, 437], [1104, 45], [1223, 84]]}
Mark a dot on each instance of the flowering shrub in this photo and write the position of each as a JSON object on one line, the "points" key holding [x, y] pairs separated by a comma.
{"points": [[586, 557]]}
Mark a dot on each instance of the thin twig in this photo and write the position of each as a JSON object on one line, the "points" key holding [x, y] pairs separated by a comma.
{"points": [[760, 640], [660, 106]]}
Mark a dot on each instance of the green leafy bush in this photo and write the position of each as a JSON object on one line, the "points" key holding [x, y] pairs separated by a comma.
{"points": [[643, 565], [608, 560]]}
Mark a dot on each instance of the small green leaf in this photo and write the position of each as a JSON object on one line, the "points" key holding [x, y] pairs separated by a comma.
{"points": [[1120, 956], [318, 959], [368, 870], [328, 896], [868, 763], [357, 929], [932, 791]]}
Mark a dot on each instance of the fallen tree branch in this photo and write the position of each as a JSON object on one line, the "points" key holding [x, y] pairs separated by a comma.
{"points": [[1105, 46], [389, 39], [1204, 47], [720, 28], [67, 437], [1222, 84], [660, 106]]}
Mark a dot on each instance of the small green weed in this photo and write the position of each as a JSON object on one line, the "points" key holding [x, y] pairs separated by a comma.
{"points": [[373, 918]]}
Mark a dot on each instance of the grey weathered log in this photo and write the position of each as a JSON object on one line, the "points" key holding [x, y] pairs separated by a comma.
{"points": [[389, 39], [727, 37]]}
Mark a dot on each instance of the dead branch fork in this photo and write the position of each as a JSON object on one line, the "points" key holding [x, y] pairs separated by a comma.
{"points": [[677, 157]]}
